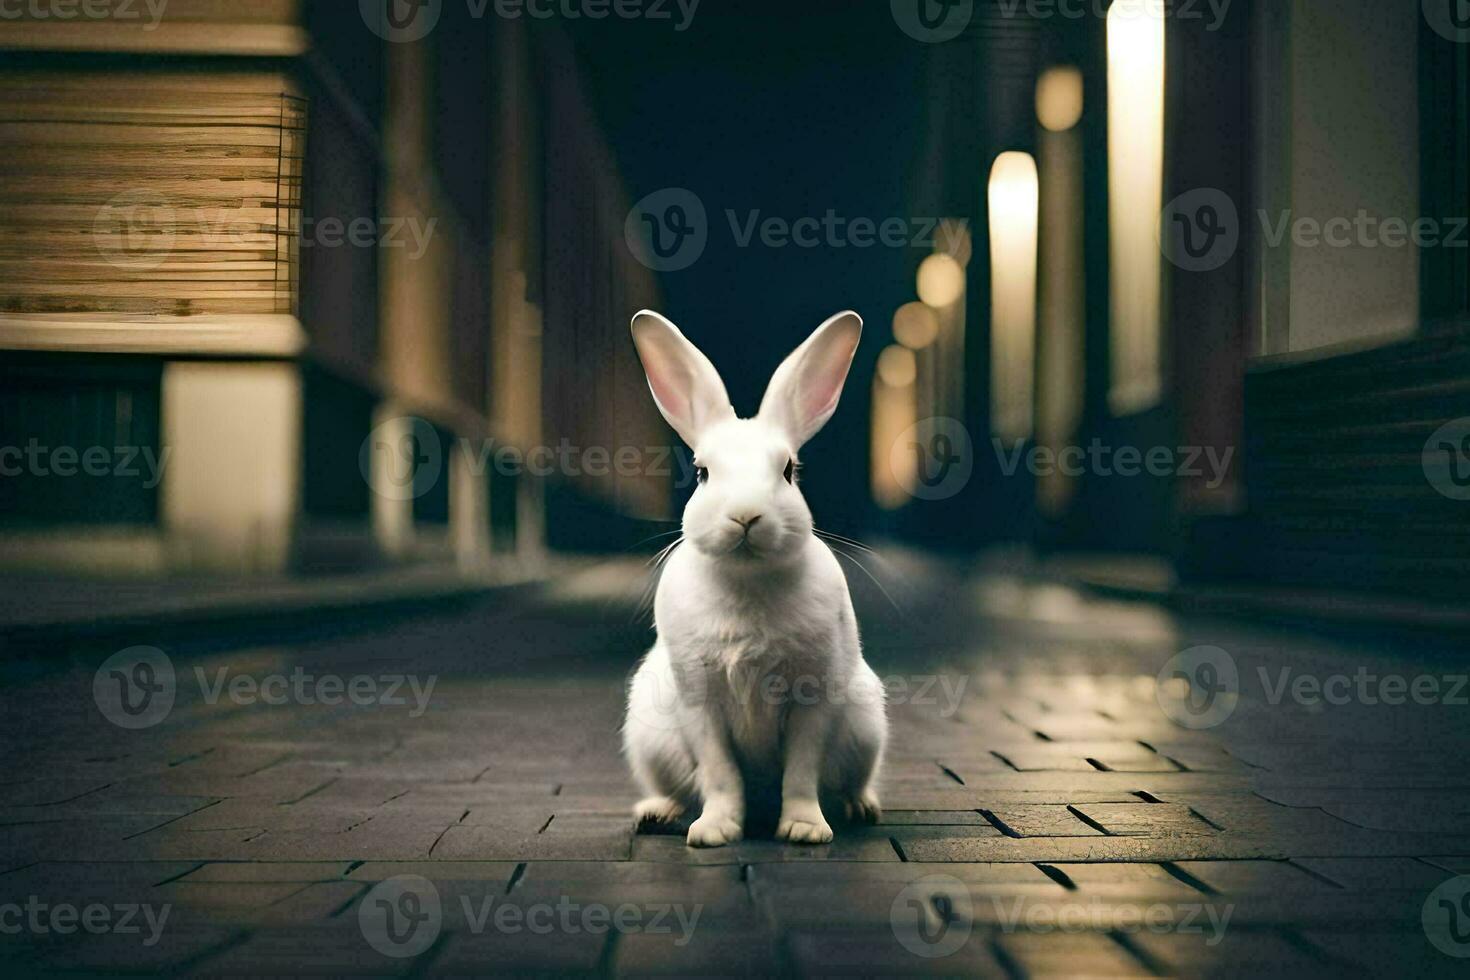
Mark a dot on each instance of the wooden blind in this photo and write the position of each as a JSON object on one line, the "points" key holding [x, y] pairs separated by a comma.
{"points": [[158, 193]]}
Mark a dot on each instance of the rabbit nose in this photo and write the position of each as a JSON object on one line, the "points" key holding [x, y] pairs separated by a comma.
{"points": [[747, 521]]}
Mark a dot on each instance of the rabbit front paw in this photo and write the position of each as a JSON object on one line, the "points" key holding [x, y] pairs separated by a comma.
{"points": [[803, 823], [714, 830]]}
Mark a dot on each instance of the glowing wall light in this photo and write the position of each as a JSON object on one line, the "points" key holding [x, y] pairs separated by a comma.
{"points": [[915, 325], [895, 412], [1059, 98], [897, 367], [1013, 238], [941, 280], [1135, 196], [1061, 307]]}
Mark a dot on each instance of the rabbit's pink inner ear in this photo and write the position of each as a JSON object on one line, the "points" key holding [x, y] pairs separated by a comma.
{"points": [[686, 388], [824, 372], [670, 382], [806, 388]]}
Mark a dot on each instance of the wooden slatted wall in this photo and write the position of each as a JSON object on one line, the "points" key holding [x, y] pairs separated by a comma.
{"points": [[173, 193]]}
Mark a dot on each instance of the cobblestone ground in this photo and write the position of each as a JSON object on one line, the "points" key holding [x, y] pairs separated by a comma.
{"points": [[321, 808]]}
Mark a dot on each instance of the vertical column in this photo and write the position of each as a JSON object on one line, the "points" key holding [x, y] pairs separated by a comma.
{"points": [[232, 474], [1013, 209], [1136, 187], [1061, 298]]}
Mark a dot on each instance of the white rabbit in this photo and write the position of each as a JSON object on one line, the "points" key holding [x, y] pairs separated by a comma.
{"points": [[757, 681]]}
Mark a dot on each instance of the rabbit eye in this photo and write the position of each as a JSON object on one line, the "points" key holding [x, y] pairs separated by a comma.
{"points": [[790, 471], [701, 473]]}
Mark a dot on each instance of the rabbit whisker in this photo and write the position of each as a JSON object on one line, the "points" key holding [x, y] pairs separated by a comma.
{"points": [[870, 575]]}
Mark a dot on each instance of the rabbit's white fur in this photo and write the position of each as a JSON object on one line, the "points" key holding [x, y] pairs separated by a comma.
{"points": [[757, 679]]}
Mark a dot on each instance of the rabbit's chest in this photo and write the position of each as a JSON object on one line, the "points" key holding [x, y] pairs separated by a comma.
{"points": [[759, 676], [769, 649]]}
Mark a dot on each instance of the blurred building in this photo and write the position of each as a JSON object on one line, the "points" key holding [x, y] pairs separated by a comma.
{"points": [[276, 293], [1227, 271], [340, 290]]}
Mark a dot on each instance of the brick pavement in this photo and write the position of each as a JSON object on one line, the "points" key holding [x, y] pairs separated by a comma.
{"points": [[1045, 814]]}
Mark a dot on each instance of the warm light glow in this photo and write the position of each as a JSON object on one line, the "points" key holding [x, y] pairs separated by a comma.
{"points": [[1013, 239], [895, 411], [1061, 310], [1136, 190], [1059, 98], [941, 280], [897, 367], [915, 325]]}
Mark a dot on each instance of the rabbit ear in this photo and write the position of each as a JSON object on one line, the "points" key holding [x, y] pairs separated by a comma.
{"points": [[685, 385], [803, 392]]}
